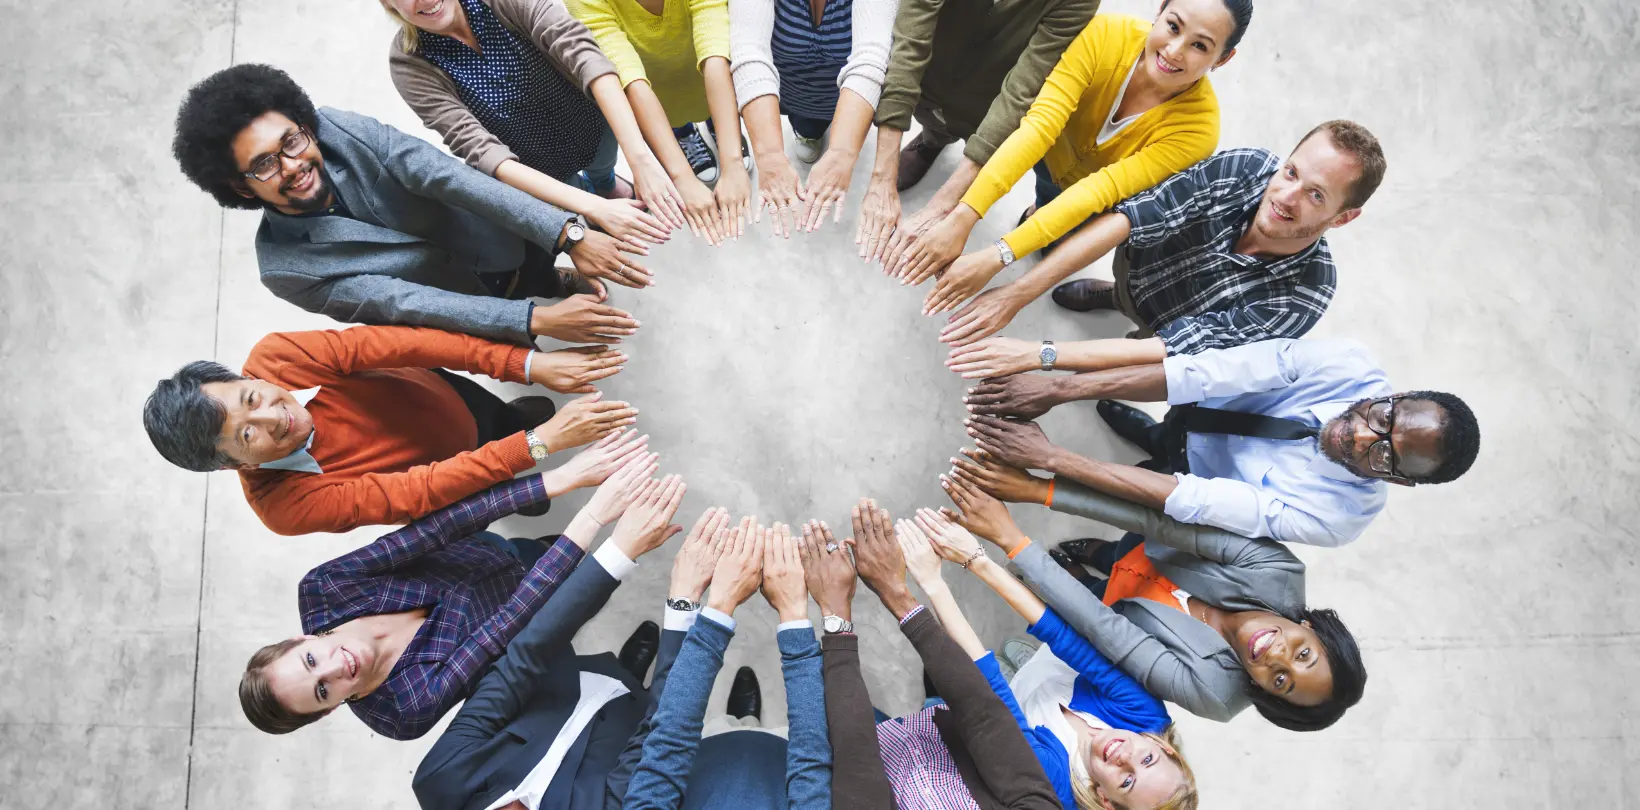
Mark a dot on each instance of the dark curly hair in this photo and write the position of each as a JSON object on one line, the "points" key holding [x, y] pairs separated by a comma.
{"points": [[214, 113], [1460, 437], [1349, 677]]}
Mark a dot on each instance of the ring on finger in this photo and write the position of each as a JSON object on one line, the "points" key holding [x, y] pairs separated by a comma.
{"points": [[830, 547]]}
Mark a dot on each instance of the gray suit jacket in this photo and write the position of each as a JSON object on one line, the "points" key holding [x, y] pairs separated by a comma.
{"points": [[424, 226], [1176, 657]]}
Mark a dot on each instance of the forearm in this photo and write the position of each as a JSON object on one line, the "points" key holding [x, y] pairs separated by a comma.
{"points": [[606, 91], [1123, 481], [885, 167], [583, 529], [808, 753], [951, 191], [897, 600], [1098, 355], [850, 123], [858, 779], [544, 187], [1012, 591], [1147, 383], [1081, 249], [956, 625], [657, 130], [762, 116], [720, 99]]}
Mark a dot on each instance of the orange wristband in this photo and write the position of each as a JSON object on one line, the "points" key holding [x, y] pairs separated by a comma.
{"points": [[1049, 502], [1019, 548]]}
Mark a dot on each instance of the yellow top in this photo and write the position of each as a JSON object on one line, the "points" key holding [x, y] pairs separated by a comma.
{"points": [[1064, 123], [668, 50]]}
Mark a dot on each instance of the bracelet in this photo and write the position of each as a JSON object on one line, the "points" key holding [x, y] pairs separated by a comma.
{"points": [[978, 553]]}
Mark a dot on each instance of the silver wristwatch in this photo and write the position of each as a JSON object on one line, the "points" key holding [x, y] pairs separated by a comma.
{"points": [[574, 231], [681, 603], [538, 448], [836, 624], [1006, 252], [1048, 355]]}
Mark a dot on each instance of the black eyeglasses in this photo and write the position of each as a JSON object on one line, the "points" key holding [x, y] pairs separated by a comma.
{"points": [[1381, 420], [292, 146]]}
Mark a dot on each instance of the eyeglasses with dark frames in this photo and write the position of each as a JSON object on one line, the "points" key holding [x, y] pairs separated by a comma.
{"points": [[292, 146], [1381, 420]]}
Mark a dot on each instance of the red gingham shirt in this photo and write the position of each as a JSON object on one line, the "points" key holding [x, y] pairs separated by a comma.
{"points": [[478, 597], [919, 766]]}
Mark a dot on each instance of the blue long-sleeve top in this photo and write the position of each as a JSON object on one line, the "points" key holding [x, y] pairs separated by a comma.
{"points": [[1101, 690]]}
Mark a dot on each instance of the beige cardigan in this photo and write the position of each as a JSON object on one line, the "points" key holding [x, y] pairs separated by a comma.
{"points": [[432, 93]]}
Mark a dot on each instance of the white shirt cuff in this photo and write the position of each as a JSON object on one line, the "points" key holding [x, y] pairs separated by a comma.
{"points": [[718, 616], [680, 620], [800, 624], [529, 361], [614, 560]]}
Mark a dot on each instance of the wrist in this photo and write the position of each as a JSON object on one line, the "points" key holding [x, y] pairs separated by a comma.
{"points": [[792, 613], [684, 590], [844, 612], [557, 482], [1010, 541], [722, 604], [582, 529]]}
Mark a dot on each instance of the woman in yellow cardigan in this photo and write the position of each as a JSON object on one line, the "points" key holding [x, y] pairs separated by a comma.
{"points": [[1128, 106]]}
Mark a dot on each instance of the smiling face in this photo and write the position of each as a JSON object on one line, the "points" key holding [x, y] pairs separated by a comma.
{"points": [[318, 674], [1285, 659], [432, 16], [1131, 771], [1307, 194], [300, 185], [262, 422], [1186, 41], [1415, 438]]}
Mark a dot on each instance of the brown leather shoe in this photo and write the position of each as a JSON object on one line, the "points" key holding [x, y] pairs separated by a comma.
{"points": [[572, 283], [915, 159], [1085, 295]]}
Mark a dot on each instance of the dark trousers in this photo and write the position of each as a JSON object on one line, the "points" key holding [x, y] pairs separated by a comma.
{"points": [[811, 128], [1105, 559], [536, 277], [495, 419]]}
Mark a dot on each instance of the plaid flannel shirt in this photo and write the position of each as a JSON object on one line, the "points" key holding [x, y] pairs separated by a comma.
{"points": [[478, 598], [919, 766], [1186, 280]]}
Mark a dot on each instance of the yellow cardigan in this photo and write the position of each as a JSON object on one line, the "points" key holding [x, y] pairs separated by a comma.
{"points": [[667, 50], [1065, 120]]}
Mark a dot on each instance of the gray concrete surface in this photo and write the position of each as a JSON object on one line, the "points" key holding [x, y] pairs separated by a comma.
{"points": [[786, 379]]}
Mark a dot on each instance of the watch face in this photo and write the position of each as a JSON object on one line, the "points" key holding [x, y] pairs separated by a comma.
{"points": [[576, 232], [1049, 354], [538, 452]]}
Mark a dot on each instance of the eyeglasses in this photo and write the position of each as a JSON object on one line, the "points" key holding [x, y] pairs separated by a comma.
{"points": [[292, 146], [1381, 420]]}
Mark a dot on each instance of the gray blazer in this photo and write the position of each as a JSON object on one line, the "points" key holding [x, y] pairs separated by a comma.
{"points": [[424, 225], [1176, 657]]}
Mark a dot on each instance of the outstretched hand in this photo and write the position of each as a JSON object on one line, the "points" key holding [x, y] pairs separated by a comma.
{"points": [[647, 523], [783, 583], [614, 495], [739, 567], [920, 558], [1021, 396], [828, 571], [950, 541], [981, 514], [698, 556], [1020, 444], [999, 480]]}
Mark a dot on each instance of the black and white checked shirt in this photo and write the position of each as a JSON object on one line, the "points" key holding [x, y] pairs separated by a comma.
{"points": [[1187, 282]]}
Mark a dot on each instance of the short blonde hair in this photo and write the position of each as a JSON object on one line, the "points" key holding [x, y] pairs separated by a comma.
{"points": [[409, 34], [1185, 798]]}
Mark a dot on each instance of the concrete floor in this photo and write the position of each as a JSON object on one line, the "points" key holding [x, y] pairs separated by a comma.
{"points": [[786, 379]]}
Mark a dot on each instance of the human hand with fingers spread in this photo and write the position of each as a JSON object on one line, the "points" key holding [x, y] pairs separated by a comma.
{"points": [[981, 514], [907, 237], [657, 191], [739, 569], [601, 256], [964, 279], [920, 558], [596, 464], [783, 584], [573, 371], [734, 196], [627, 221], [1000, 481], [878, 558], [779, 192], [934, 249], [647, 524], [879, 213], [827, 186], [995, 357], [700, 210], [828, 571], [1021, 444], [1020, 396], [947, 539], [582, 318], [984, 316], [698, 556], [584, 420], [620, 490]]}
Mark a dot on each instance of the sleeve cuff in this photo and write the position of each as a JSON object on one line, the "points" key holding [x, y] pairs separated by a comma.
{"points": [[1177, 370], [679, 620], [871, 91], [800, 624], [718, 617], [1019, 548], [912, 615], [515, 451], [529, 361], [614, 560], [754, 80]]}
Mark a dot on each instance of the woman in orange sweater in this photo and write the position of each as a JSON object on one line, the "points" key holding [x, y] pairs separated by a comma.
{"points": [[1128, 106]]}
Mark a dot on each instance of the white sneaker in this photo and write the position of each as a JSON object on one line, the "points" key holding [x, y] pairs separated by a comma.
{"points": [[809, 149], [699, 154], [1017, 652]]}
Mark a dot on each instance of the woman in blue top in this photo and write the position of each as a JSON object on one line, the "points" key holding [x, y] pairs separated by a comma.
{"points": [[1104, 742], [520, 91], [821, 63]]}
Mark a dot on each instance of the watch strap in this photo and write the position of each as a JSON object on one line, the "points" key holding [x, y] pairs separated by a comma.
{"points": [[1007, 253], [680, 603]]}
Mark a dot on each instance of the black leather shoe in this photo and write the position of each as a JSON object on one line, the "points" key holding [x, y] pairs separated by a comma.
{"points": [[639, 650], [1130, 423], [1085, 295], [1083, 549], [745, 699], [533, 411], [916, 158], [1067, 563]]}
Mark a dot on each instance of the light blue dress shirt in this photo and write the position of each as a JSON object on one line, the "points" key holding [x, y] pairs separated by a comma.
{"points": [[1285, 490], [300, 460]]}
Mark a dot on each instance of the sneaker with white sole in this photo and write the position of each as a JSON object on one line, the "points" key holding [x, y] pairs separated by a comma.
{"points": [[701, 160], [1017, 652], [809, 149]]}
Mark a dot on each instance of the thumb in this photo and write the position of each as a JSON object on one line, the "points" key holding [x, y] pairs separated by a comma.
{"points": [[591, 398], [603, 292]]}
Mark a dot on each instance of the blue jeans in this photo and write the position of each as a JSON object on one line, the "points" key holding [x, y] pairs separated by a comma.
{"points": [[812, 128], [1046, 188], [599, 175]]}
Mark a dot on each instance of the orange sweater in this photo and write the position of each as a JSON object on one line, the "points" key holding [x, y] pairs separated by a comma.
{"points": [[395, 441], [1135, 577]]}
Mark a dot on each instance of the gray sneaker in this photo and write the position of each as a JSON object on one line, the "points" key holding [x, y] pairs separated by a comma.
{"points": [[1017, 652]]}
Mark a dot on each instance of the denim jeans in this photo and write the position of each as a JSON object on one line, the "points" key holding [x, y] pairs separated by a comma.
{"points": [[811, 128], [1046, 188], [599, 175]]}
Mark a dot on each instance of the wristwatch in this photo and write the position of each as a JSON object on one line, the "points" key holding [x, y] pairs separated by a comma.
{"points": [[1048, 355], [836, 624], [574, 231], [1006, 252], [682, 604], [538, 448]]}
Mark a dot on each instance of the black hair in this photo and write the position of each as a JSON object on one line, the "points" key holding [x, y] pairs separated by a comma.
{"points": [[1349, 679], [1460, 437], [1241, 14], [184, 423], [214, 113]]}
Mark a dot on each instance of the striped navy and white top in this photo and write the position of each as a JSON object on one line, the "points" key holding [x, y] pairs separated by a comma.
{"points": [[777, 49]]}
